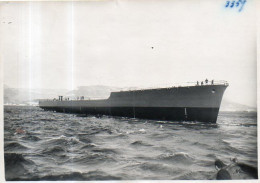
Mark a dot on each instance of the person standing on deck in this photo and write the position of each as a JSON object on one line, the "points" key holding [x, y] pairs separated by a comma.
{"points": [[206, 81]]}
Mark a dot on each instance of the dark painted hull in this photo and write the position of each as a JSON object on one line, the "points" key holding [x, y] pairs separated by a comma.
{"points": [[194, 103], [157, 113]]}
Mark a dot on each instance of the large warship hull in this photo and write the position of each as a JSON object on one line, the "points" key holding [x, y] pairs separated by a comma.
{"points": [[189, 103]]}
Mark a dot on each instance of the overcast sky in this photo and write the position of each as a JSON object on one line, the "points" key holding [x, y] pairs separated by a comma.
{"points": [[129, 43]]}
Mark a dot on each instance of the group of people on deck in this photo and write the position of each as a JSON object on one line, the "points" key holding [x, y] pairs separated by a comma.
{"points": [[61, 98], [206, 82]]}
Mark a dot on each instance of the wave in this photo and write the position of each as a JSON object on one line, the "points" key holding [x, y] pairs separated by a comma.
{"points": [[205, 163], [211, 155], [108, 151], [182, 158], [15, 158], [15, 165], [94, 131], [47, 119], [232, 149], [51, 128], [140, 143], [14, 146], [157, 167], [54, 150], [63, 141], [88, 146], [198, 175], [84, 139], [249, 125], [31, 138], [100, 175], [73, 176], [93, 158], [200, 144], [229, 148], [60, 141]]}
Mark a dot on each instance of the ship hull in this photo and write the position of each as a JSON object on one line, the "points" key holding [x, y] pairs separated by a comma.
{"points": [[156, 113], [196, 103]]}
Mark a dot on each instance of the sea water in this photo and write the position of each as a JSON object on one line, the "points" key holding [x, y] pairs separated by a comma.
{"points": [[45, 145]]}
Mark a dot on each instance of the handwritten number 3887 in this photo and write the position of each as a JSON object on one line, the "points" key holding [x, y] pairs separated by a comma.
{"points": [[237, 4]]}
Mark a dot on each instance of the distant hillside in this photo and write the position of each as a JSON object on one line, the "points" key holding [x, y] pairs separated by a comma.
{"points": [[23, 96], [95, 91], [227, 105]]}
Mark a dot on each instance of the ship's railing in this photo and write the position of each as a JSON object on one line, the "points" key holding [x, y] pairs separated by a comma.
{"points": [[73, 99], [202, 83], [186, 84]]}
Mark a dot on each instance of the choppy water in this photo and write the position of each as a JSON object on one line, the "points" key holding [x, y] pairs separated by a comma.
{"points": [[43, 145]]}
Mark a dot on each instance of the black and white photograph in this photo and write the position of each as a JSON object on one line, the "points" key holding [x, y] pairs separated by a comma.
{"points": [[129, 90]]}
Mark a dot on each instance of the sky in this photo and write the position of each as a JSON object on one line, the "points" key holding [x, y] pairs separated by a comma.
{"points": [[54, 45]]}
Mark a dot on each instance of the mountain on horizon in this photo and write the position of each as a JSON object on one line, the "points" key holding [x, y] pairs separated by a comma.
{"points": [[227, 105]]}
